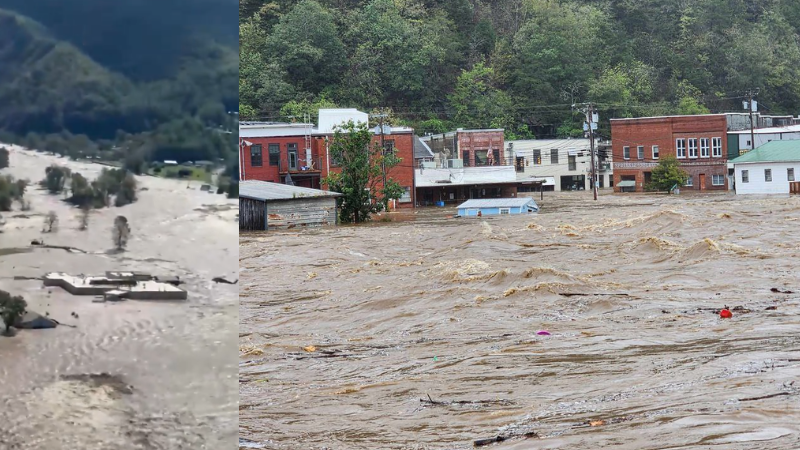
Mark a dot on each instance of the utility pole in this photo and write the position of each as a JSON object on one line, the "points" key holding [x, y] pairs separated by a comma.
{"points": [[750, 95], [381, 116], [589, 111]]}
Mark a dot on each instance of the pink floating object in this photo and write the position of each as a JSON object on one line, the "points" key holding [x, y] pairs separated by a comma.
{"points": [[543, 333]]}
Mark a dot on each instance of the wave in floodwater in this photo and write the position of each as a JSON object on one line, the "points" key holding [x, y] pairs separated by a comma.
{"points": [[583, 326]]}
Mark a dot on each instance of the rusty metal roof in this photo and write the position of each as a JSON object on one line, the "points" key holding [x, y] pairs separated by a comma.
{"points": [[264, 190]]}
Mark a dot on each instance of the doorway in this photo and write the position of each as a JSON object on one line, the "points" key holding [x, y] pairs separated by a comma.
{"points": [[702, 181]]}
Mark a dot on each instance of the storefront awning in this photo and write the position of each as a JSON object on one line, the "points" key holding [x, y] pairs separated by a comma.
{"points": [[626, 183]]}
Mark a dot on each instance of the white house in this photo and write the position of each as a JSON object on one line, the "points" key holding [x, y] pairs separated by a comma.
{"points": [[770, 169], [561, 164]]}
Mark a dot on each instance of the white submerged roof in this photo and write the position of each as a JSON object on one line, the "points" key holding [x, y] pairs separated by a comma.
{"points": [[497, 203], [264, 190]]}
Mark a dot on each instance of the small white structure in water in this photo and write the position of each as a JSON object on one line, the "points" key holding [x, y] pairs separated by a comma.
{"points": [[497, 207]]}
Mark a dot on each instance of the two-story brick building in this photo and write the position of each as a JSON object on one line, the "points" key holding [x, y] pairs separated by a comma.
{"points": [[698, 142], [299, 154]]}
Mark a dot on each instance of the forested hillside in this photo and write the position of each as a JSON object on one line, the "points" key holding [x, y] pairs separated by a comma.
{"points": [[149, 79], [517, 64]]}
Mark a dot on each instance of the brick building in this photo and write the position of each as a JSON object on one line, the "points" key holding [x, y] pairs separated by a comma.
{"points": [[698, 142], [475, 148], [299, 154]]}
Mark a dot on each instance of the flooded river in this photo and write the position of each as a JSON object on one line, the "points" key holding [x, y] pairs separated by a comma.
{"points": [[129, 375], [430, 333]]}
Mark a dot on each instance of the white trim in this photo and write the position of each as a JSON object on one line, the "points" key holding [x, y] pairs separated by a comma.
{"points": [[623, 152], [745, 176], [707, 148], [689, 147], [639, 155], [790, 174], [714, 148], [689, 181], [767, 179], [678, 148], [721, 178], [655, 152], [507, 211]]}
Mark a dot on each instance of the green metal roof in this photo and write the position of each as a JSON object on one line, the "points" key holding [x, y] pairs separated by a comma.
{"points": [[775, 151]]}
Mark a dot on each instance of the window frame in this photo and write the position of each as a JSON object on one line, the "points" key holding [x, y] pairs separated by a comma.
{"points": [[705, 150], [572, 163], [745, 174], [767, 175], [689, 147], [277, 161], [680, 145], [654, 152], [689, 182], [640, 152], [721, 180], [507, 211], [790, 173], [537, 157], [626, 152], [554, 156], [260, 149], [715, 147]]}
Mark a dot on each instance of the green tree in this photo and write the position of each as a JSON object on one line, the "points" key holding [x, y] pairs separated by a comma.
{"points": [[56, 178], [476, 101], [362, 164], [12, 308], [667, 174], [306, 44]]}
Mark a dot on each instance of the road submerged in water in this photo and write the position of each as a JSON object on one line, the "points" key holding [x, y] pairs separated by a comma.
{"points": [[429, 333]]}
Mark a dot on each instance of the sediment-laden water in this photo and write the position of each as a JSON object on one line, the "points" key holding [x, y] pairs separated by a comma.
{"points": [[130, 375], [425, 334]]}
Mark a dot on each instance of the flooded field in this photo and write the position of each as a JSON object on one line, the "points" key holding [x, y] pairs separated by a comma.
{"points": [[129, 375], [590, 325]]}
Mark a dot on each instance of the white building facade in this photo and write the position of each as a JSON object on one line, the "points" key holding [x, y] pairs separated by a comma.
{"points": [[773, 168], [559, 164]]}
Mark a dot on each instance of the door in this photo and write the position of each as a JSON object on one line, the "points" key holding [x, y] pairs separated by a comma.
{"points": [[702, 182], [293, 157]]}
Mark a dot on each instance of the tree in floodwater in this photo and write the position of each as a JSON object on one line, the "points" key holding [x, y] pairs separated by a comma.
{"points": [[85, 211], [3, 158], [667, 174], [11, 309], [362, 166], [121, 232], [50, 222]]}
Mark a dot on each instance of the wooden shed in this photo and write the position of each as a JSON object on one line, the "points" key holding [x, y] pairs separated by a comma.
{"points": [[267, 206]]}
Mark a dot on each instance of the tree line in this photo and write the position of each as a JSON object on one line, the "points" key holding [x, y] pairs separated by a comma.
{"points": [[517, 64]]}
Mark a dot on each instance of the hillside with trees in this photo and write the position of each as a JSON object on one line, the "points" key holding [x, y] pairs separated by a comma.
{"points": [[517, 64], [136, 81]]}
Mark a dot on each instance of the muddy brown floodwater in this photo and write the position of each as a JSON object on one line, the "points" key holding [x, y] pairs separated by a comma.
{"points": [[423, 334], [130, 375]]}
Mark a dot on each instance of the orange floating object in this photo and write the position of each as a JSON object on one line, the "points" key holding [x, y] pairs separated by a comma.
{"points": [[726, 314]]}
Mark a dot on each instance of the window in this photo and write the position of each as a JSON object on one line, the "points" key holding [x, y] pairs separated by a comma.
{"points": [[640, 152], [655, 152], [704, 153], [520, 164], [745, 176], [680, 148], [465, 158], [537, 157], [692, 147], [716, 147], [790, 174], [554, 156], [496, 154], [406, 198], [717, 180], [626, 152], [505, 211], [689, 181], [388, 146], [481, 157], [255, 155], [768, 175], [274, 154], [572, 163]]}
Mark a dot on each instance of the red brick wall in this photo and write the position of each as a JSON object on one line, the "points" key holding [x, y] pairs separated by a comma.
{"points": [[663, 131], [267, 172], [481, 140]]}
